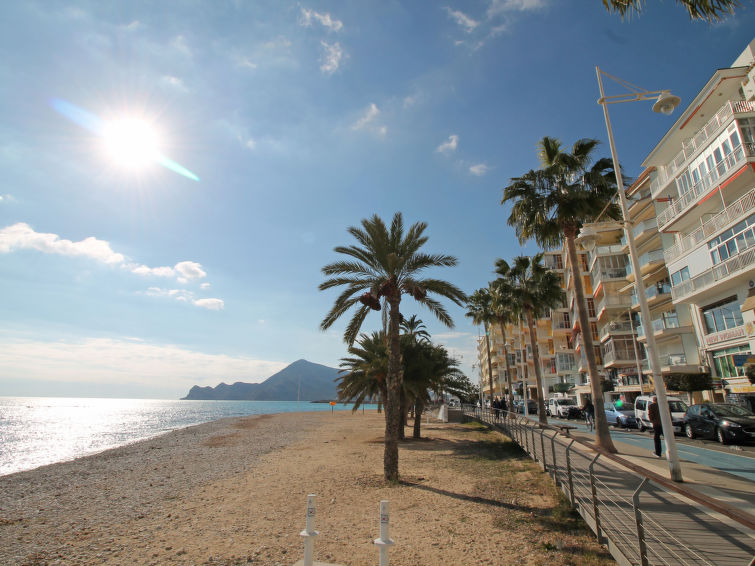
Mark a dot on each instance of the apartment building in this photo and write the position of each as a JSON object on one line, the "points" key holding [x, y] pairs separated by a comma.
{"points": [[702, 184]]}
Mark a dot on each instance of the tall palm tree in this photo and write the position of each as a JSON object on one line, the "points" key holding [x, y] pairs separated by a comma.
{"points": [[505, 311], [537, 289], [550, 204], [710, 10], [386, 263], [480, 311]]}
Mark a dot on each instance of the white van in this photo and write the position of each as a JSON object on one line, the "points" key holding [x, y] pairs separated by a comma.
{"points": [[559, 406], [677, 406]]}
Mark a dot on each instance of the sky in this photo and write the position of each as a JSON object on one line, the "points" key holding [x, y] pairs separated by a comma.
{"points": [[279, 125]]}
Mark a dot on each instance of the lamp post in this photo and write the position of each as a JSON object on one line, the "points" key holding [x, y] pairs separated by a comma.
{"points": [[665, 104]]}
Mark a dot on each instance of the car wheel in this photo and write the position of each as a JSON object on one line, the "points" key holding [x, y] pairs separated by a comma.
{"points": [[720, 436], [688, 430], [641, 426], [618, 422]]}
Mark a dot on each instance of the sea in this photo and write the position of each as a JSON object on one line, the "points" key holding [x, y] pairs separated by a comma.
{"points": [[36, 431]]}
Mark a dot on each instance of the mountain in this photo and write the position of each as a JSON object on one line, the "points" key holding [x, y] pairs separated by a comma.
{"points": [[317, 383]]}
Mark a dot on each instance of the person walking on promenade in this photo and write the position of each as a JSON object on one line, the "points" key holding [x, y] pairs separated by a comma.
{"points": [[589, 410], [654, 415]]}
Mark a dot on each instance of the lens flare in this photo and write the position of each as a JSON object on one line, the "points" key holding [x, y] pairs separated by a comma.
{"points": [[132, 143]]}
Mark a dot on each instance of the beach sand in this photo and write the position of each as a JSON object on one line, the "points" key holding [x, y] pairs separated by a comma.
{"points": [[234, 492]]}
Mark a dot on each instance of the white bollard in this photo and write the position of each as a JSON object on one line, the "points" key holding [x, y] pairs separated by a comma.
{"points": [[309, 533], [384, 542]]}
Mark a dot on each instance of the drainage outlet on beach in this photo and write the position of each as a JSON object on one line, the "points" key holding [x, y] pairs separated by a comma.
{"points": [[384, 542]]}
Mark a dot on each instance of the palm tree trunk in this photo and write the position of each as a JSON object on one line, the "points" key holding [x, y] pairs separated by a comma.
{"points": [[393, 397], [404, 411], [508, 366], [538, 372], [490, 364], [419, 407], [602, 435]]}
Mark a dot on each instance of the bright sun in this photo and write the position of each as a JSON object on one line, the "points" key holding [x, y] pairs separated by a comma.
{"points": [[131, 143]]}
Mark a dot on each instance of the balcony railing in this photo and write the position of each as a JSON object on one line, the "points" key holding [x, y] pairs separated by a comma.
{"points": [[612, 301], [652, 292], [606, 273], [673, 360], [697, 141], [651, 224], [661, 324], [730, 214], [728, 164], [734, 264], [646, 259]]}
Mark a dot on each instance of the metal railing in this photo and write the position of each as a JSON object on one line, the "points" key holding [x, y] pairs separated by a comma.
{"points": [[643, 518], [727, 216], [734, 264]]}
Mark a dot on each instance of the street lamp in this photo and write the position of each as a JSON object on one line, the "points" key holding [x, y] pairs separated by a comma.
{"points": [[665, 104]]}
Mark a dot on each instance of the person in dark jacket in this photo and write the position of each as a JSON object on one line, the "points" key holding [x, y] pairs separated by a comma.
{"points": [[654, 415]]}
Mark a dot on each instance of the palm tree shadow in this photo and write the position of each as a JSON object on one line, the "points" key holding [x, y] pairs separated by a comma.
{"points": [[468, 498]]}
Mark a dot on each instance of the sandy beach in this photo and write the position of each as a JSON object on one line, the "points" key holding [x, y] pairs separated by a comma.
{"points": [[234, 492]]}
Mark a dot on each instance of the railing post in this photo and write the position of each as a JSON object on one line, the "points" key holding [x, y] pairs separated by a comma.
{"points": [[638, 521], [555, 466], [569, 474], [542, 450], [595, 498]]}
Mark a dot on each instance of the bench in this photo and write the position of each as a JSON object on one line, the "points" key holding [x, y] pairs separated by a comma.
{"points": [[565, 428]]}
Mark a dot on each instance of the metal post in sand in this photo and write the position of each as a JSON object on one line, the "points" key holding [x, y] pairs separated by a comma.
{"points": [[384, 542], [309, 533]]}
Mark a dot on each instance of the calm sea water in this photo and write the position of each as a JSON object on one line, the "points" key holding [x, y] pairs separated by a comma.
{"points": [[35, 431]]}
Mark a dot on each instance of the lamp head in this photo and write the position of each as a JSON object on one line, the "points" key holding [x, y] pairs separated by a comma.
{"points": [[666, 103]]}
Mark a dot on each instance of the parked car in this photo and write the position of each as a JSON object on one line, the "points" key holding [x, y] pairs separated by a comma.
{"points": [[723, 421], [677, 407], [562, 407], [620, 414], [531, 406]]}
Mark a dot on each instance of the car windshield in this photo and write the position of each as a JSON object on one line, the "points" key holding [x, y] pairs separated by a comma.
{"points": [[624, 406], [677, 407], [567, 402], [731, 411]]}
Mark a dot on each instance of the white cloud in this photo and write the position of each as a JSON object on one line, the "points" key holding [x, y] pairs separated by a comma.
{"points": [[246, 62], [331, 58], [21, 236], [448, 146], [190, 270], [180, 44], [479, 170], [204, 286], [210, 304], [126, 361], [369, 121], [307, 16], [500, 6], [174, 83], [466, 23]]}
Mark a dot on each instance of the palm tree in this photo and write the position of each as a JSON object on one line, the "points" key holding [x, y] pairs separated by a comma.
{"points": [[710, 10], [480, 311], [537, 289], [363, 374], [550, 205], [386, 263], [504, 308], [415, 328]]}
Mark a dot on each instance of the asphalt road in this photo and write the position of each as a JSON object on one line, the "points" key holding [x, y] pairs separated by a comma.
{"points": [[732, 459]]}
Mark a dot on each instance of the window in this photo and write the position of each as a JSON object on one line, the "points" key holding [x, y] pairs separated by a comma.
{"points": [[723, 361], [723, 316], [590, 307], [733, 241], [679, 276]]}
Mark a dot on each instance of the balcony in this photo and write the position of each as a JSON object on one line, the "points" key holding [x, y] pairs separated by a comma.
{"points": [[731, 162], [729, 215], [661, 325], [739, 263], [565, 363], [602, 274], [612, 302], [647, 261], [697, 142], [641, 198], [640, 230], [622, 327], [653, 294]]}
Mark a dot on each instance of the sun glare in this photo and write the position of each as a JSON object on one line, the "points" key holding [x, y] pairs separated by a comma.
{"points": [[131, 143]]}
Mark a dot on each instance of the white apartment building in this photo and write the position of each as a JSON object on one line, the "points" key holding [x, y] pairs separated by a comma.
{"points": [[703, 187]]}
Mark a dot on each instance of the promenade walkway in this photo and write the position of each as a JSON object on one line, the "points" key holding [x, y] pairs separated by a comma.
{"points": [[643, 517]]}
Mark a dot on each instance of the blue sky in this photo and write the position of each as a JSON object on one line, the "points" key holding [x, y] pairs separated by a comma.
{"points": [[300, 119]]}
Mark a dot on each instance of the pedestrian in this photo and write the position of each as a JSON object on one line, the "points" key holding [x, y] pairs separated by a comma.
{"points": [[589, 410], [654, 414]]}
